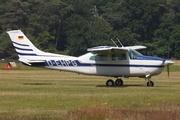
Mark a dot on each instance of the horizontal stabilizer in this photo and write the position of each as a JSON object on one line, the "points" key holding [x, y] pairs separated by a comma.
{"points": [[33, 63], [25, 62]]}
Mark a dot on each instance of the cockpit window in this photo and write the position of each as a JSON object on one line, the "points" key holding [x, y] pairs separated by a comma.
{"points": [[102, 57], [133, 54]]}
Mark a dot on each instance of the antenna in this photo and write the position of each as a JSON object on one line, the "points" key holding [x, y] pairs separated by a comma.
{"points": [[114, 42], [120, 42]]}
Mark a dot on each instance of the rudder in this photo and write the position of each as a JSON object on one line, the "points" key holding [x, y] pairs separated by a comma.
{"points": [[22, 44]]}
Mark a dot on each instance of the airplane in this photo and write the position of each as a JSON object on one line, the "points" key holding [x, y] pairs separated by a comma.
{"points": [[111, 61]]}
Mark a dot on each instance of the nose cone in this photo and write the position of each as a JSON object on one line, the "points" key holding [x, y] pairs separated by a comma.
{"points": [[168, 62]]}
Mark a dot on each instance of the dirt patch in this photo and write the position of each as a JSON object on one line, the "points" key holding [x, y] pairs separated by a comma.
{"points": [[158, 112]]}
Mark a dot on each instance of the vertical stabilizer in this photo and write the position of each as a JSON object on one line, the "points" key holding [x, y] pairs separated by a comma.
{"points": [[23, 45]]}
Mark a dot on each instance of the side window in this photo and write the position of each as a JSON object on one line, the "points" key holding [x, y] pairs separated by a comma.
{"points": [[116, 57], [102, 57], [92, 57]]}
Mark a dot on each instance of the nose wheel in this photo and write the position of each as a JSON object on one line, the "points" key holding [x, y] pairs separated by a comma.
{"points": [[150, 83]]}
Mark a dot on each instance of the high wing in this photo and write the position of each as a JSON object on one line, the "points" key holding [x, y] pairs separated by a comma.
{"points": [[110, 48], [136, 47]]}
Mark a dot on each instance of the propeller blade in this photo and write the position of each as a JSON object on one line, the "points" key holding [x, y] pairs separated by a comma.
{"points": [[168, 63], [168, 70]]}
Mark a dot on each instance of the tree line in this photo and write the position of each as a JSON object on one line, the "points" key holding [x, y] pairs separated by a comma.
{"points": [[72, 26]]}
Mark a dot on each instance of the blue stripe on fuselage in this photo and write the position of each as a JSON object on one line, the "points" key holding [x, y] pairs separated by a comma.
{"points": [[79, 64]]}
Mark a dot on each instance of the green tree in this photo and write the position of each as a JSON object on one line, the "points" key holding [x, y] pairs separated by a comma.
{"points": [[6, 48], [75, 27], [161, 36], [98, 33], [82, 34], [46, 42], [72, 26], [14, 14], [175, 43], [51, 16]]}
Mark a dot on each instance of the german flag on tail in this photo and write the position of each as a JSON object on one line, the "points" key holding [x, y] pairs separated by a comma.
{"points": [[20, 38]]}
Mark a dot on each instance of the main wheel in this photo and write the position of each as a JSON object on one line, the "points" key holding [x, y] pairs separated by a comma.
{"points": [[110, 83], [119, 82], [150, 83]]}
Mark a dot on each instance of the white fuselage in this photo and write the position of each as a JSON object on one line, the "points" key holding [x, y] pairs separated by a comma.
{"points": [[116, 68]]}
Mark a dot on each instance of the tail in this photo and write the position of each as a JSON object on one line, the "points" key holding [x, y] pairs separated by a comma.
{"points": [[26, 51], [23, 45]]}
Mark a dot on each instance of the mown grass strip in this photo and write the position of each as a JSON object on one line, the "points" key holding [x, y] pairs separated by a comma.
{"points": [[49, 94]]}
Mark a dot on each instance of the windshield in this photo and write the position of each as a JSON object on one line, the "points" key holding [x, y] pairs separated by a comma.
{"points": [[133, 54]]}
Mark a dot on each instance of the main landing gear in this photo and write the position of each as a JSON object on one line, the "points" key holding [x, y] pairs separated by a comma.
{"points": [[118, 82]]}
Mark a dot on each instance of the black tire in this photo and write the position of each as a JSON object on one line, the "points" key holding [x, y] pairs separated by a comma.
{"points": [[150, 84], [119, 82], [110, 83]]}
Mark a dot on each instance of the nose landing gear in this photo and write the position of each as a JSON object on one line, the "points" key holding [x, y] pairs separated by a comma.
{"points": [[150, 83]]}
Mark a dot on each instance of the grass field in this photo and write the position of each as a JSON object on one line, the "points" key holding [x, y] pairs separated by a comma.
{"points": [[39, 94]]}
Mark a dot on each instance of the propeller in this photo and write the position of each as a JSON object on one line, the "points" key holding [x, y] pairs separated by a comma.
{"points": [[168, 70], [168, 63]]}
